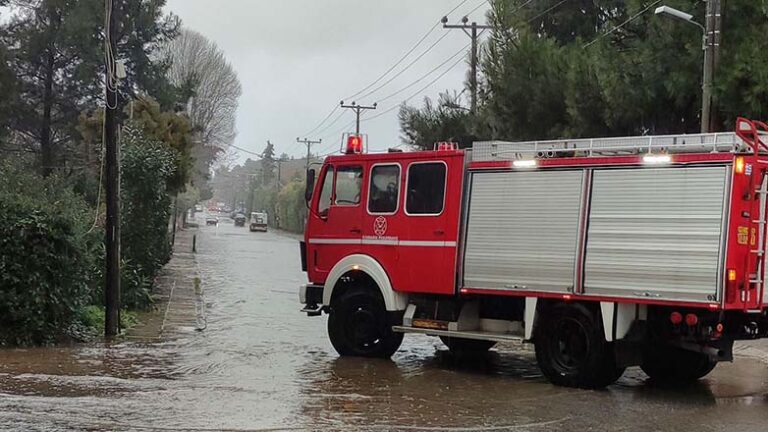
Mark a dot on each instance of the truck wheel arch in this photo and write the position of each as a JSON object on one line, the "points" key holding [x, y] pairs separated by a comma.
{"points": [[394, 301]]}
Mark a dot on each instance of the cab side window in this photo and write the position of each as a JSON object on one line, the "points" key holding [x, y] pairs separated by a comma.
{"points": [[349, 181], [324, 203], [384, 192], [426, 189]]}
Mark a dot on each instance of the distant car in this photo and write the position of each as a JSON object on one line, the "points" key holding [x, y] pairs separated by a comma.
{"points": [[211, 220], [198, 208], [240, 220], [258, 222]]}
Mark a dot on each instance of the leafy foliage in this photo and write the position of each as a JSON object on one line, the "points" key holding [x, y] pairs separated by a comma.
{"points": [[146, 167], [55, 50], [45, 257], [440, 121], [291, 208], [543, 79]]}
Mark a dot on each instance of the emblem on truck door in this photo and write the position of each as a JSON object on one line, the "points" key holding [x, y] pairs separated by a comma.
{"points": [[380, 226]]}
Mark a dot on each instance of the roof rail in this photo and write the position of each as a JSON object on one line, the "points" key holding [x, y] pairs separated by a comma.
{"points": [[732, 142]]}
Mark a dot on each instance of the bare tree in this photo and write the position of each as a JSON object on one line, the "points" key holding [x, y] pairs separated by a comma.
{"points": [[200, 69]]}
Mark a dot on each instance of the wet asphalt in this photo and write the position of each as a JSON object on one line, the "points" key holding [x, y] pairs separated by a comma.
{"points": [[259, 364]]}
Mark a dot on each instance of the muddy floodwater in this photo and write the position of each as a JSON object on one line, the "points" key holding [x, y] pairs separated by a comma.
{"points": [[258, 364]]}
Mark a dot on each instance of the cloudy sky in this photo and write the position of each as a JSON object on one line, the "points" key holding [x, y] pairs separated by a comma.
{"points": [[297, 59]]}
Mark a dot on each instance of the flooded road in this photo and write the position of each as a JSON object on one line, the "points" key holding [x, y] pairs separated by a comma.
{"points": [[261, 365]]}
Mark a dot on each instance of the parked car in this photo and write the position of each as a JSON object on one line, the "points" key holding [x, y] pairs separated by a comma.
{"points": [[212, 220], [240, 220], [258, 222]]}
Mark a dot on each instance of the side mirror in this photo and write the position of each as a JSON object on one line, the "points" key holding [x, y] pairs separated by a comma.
{"points": [[310, 185]]}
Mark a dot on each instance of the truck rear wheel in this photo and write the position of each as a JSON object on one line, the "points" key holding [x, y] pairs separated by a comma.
{"points": [[665, 363], [357, 325], [467, 346], [571, 349]]}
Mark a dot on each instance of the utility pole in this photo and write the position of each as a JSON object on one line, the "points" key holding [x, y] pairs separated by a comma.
{"points": [[309, 144], [358, 109], [112, 182], [712, 35], [473, 34]]}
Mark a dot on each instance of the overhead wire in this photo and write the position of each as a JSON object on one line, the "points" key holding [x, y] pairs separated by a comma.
{"points": [[417, 93], [259, 155], [406, 67], [627, 21], [329, 125], [547, 11], [484, 2], [390, 69], [459, 52]]}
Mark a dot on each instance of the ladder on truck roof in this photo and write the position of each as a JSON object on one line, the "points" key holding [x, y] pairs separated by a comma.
{"points": [[755, 134], [729, 142]]}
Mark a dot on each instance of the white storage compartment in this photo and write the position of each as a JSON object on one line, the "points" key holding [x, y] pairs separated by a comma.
{"points": [[656, 233], [522, 230]]}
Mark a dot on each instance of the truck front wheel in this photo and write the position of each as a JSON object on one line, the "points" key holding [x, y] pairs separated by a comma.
{"points": [[571, 349], [357, 325], [665, 363]]}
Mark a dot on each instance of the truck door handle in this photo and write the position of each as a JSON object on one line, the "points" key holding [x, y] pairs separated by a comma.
{"points": [[355, 230], [439, 232]]}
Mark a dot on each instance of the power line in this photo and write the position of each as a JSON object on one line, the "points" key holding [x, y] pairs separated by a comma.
{"points": [[335, 120], [337, 131], [484, 2], [390, 69], [336, 107], [547, 11], [420, 91], [622, 24], [246, 151], [426, 75], [405, 68]]}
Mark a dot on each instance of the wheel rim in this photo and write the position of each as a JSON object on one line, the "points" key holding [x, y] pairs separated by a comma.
{"points": [[363, 327], [570, 345]]}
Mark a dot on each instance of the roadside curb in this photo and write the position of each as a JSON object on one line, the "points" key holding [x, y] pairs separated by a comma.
{"points": [[178, 293]]}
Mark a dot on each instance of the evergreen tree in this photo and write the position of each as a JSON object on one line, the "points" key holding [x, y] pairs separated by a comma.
{"points": [[268, 163]]}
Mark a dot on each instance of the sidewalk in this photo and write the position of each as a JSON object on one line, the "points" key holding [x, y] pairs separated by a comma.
{"points": [[179, 298]]}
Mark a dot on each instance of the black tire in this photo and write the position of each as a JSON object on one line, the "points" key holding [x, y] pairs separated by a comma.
{"points": [[467, 346], [571, 349], [357, 325], [667, 364]]}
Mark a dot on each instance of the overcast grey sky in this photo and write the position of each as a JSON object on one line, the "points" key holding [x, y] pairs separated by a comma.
{"points": [[296, 59]]}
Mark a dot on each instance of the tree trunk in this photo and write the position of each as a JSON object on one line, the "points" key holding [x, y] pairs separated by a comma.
{"points": [[46, 142]]}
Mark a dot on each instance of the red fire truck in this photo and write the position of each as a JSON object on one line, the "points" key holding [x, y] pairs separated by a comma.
{"points": [[604, 253]]}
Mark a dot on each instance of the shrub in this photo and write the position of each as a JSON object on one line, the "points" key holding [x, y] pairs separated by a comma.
{"points": [[44, 257], [147, 166], [292, 209]]}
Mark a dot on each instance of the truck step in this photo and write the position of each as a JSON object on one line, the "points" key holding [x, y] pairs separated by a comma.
{"points": [[480, 335]]}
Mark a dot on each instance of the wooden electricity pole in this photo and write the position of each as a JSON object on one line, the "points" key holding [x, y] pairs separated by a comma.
{"points": [[112, 181], [473, 34]]}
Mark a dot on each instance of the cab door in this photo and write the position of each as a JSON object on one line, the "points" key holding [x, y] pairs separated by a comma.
{"points": [[431, 204], [334, 228]]}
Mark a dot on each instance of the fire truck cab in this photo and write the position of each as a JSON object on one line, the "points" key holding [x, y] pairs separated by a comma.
{"points": [[604, 253]]}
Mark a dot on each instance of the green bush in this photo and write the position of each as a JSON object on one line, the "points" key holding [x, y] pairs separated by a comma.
{"points": [[92, 318], [146, 166], [292, 209], [45, 257]]}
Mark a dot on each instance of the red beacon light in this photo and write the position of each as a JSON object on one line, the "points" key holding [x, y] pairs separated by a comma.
{"points": [[446, 146], [354, 144]]}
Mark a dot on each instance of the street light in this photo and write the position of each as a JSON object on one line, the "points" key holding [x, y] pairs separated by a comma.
{"points": [[674, 13], [709, 64]]}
